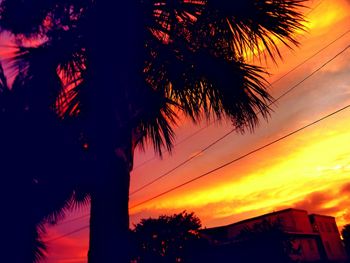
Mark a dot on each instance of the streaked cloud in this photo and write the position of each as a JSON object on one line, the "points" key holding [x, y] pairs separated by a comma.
{"points": [[310, 170]]}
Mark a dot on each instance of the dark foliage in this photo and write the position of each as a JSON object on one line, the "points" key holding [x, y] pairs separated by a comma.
{"points": [[269, 242], [263, 242], [105, 76], [167, 238]]}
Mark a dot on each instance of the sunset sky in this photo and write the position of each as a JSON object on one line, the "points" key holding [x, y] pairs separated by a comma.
{"points": [[309, 170]]}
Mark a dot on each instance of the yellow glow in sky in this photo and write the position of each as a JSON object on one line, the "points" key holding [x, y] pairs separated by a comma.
{"points": [[284, 174], [310, 170], [301, 170], [325, 15]]}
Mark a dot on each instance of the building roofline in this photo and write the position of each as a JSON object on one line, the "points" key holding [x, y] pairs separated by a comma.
{"points": [[213, 228], [312, 215], [256, 217], [264, 215]]}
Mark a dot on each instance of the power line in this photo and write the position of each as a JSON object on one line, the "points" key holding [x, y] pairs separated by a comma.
{"points": [[315, 7], [182, 163], [68, 234], [312, 74], [221, 138], [68, 259], [211, 123], [203, 128], [240, 157], [311, 57], [218, 168], [225, 135], [234, 129], [74, 219], [180, 142], [232, 161]]}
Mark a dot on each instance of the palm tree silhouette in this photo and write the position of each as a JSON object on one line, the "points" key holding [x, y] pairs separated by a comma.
{"points": [[35, 155], [105, 77]]}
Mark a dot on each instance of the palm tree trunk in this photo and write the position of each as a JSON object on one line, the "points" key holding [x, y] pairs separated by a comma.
{"points": [[113, 67], [109, 221]]}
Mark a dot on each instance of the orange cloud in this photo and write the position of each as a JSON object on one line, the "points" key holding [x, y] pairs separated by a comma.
{"points": [[310, 170], [288, 172]]}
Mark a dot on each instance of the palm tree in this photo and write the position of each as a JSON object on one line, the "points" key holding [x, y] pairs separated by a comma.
{"points": [[118, 74], [36, 188]]}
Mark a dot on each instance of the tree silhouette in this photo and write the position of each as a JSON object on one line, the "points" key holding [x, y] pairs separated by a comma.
{"points": [[36, 187], [114, 75], [267, 242], [167, 238]]}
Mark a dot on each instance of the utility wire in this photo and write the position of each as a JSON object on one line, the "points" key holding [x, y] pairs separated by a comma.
{"points": [[311, 57], [68, 234], [178, 143], [314, 8], [74, 219], [240, 157], [225, 135], [271, 84], [217, 168], [232, 161], [211, 123], [235, 129], [203, 128], [182, 163]]}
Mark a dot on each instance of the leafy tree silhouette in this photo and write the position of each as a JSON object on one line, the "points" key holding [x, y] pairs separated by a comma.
{"points": [[264, 241], [267, 242], [103, 77], [167, 238]]}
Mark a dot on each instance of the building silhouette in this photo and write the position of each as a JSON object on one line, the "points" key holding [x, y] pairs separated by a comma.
{"points": [[313, 238]]}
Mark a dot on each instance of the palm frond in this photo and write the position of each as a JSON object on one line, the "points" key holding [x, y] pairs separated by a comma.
{"points": [[38, 82], [163, 17], [58, 209], [38, 246], [209, 82], [23, 16], [5, 97], [155, 123], [250, 25], [3, 80], [38, 17], [245, 27], [202, 63], [234, 90], [61, 61], [80, 199]]}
